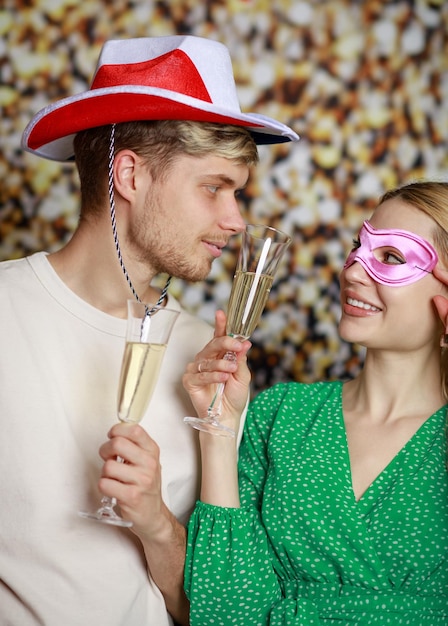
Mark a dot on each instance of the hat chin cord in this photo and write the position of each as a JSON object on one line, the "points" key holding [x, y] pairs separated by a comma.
{"points": [[114, 229]]}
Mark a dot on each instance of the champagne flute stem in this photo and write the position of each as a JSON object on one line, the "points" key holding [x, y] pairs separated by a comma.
{"points": [[215, 407], [214, 410], [108, 503]]}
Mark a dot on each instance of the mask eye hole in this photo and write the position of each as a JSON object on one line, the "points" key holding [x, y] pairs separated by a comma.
{"points": [[389, 256]]}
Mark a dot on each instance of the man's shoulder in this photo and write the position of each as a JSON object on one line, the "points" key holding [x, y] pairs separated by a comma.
{"points": [[13, 263], [13, 270], [22, 278], [189, 322], [194, 325], [194, 322]]}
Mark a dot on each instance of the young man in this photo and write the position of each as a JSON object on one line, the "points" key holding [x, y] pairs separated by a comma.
{"points": [[162, 150]]}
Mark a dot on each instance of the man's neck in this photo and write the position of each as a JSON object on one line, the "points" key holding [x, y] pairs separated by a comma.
{"points": [[88, 265]]}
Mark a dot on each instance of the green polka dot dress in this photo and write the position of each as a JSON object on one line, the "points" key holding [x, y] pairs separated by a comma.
{"points": [[301, 551]]}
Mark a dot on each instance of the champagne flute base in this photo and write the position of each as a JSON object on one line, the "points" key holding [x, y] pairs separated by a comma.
{"points": [[209, 425]]}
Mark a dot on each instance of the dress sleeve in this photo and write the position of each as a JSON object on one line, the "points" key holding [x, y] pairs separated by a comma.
{"points": [[253, 462], [229, 578], [230, 570]]}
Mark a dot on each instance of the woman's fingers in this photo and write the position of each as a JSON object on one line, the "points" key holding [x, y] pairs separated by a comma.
{"points": [[220, 324]]}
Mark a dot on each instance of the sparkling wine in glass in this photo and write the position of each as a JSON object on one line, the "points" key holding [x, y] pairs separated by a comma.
{"points": [[261, 250], [147, 332]]}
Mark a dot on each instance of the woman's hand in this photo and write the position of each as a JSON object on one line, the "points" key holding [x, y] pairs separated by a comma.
{"points": [[209, 368], [441, 302], [219, 485]]}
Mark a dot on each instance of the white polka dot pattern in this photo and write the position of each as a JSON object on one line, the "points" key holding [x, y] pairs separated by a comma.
{"points": [[301, 551]]}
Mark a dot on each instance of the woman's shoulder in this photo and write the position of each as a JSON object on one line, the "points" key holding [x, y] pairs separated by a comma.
{"points": [[293, 391], [292, 402]]}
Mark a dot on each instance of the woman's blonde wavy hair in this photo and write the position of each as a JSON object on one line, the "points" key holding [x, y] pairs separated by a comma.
{"points": [[432, 198]]}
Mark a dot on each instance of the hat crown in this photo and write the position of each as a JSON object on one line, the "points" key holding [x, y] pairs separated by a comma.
{"points": [[192, 66], [173, 71]]}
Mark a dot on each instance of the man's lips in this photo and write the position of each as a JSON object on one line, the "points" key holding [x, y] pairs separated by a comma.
{"points": [[215, 248]]}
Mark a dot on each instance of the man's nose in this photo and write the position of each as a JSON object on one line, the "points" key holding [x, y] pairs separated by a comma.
{"points": [[231, 218]]}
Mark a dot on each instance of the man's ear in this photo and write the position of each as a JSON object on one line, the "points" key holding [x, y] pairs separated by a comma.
{"points": [[125, 166]]}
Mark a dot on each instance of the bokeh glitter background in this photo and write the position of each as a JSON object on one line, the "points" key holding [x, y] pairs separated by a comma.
{"points": [[364, 83]]}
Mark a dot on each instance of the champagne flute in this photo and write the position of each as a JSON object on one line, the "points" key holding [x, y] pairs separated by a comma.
{"points": [[147, 332], [261, 250]]}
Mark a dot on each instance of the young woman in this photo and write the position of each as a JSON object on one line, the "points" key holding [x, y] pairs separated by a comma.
{"points": [[338, 512]]}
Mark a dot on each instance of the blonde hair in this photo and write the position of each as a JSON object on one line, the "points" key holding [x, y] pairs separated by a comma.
{"points": [[159, 143], [431, 198]]}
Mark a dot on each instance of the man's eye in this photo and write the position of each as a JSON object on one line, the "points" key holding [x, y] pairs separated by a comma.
{"points": [[213, 188]]}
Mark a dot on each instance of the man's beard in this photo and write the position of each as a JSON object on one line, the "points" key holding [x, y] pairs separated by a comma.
{"points": [[153, 246]]}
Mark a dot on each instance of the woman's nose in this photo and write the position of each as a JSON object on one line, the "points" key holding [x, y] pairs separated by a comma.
{"points": [[356, 273]]}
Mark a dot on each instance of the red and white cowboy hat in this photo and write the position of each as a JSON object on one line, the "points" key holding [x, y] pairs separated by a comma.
{"points": [[156, 78]]}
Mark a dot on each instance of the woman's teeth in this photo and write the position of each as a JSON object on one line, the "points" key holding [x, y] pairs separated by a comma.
{"points": [[362, 305]]}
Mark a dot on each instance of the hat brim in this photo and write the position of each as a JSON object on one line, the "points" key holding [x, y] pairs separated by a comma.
{"points": [[50, 133]]}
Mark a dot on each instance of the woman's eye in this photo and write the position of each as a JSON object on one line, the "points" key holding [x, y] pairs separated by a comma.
{"points": [[392, 258]]}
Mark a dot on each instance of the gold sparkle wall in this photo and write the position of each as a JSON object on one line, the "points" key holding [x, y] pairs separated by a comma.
{"points": [[364, 83]]}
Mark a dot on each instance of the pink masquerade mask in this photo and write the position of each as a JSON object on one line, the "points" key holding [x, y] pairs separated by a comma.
{"points": [[419, 257]]}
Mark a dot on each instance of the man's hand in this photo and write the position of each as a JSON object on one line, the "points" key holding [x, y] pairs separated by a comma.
{"points": [[136, 484]]}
